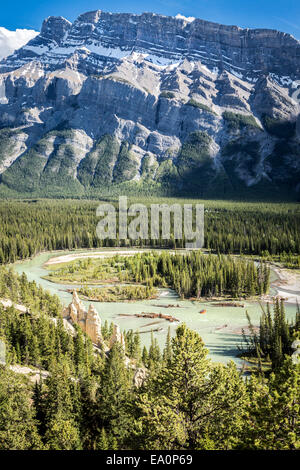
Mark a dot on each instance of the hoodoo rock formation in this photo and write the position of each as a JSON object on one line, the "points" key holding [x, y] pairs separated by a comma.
{"points": [[88, 320], [90, 323]]}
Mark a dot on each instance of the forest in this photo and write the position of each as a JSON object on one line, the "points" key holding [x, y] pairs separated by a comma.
{"points": [[198, 275], [192, 274], [77, 397], [88, 398], [29, 227], [274, 338]]}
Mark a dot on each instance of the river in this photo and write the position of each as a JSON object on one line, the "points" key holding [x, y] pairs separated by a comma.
{"points": [[219, 328]]}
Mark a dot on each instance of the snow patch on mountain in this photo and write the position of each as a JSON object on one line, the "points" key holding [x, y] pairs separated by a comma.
{"points": [[39, 50], [115, 52], [13, 40]]}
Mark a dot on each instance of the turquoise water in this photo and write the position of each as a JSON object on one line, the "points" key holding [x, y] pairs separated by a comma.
{"points": [[219, 328]]}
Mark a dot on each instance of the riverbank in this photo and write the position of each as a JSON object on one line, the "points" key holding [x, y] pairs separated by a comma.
{"points": [[192, 275], [287, 286], [94, 254], [221, 328]]}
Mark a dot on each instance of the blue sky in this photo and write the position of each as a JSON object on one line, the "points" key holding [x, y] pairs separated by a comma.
{"points": [[276, 14]]}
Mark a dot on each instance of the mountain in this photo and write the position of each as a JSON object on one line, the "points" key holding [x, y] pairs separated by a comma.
{"points": [[12, 40], [151, 103]]}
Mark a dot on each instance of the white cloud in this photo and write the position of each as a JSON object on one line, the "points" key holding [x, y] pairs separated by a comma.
{"points": [[190, 19], [12, 40]]}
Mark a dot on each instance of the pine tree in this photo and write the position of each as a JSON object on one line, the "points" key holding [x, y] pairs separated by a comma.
{"points": [[191, 403], [62, 434], [18, 425], [62, 430], [137, 347], [167, 353], [113, 394], [154, 355], [145, 357], [272, 417], [102, 443]]}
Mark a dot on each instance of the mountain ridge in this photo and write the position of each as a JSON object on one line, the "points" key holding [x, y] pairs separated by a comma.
{"points": [[116, 99], [131, 28]]}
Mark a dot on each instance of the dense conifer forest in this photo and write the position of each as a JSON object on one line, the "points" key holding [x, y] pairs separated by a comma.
{"points": [[31, 226], [198, 275]]}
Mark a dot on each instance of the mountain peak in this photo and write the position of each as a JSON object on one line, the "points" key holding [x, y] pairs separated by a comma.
{"points": [[118, 97], [55, 28], [90, 17]]}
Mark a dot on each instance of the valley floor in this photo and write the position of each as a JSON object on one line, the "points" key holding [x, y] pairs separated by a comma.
{"points": [[286, 285]]}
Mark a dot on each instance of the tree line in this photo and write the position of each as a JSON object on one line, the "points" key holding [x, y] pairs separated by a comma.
{"points": [[198, 275], [275, 336], [191, 274], [29, 227]]}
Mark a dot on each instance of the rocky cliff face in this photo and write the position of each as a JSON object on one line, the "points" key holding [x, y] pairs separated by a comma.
{"points": [[152, 102]]}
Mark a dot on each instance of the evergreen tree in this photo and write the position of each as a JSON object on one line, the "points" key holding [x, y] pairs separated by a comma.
{"points": [[113, 393], [62, 431], [167, 353], [190, 403], [272, 420], [18, 424], [103, 443]]}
